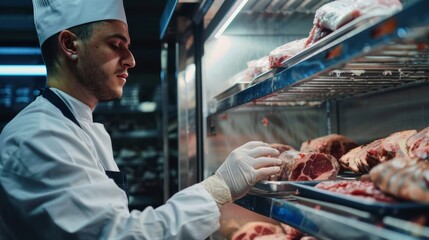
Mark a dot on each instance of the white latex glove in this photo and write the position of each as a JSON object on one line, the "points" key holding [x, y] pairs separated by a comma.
{"points": [[244, 167]]}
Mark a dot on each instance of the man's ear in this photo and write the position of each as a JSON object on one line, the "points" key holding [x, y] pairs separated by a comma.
{"points": [[67, 41]]}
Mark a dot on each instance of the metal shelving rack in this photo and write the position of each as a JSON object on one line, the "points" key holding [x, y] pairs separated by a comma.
{"points": [[383, 54], [323, 219], [372, 57]]}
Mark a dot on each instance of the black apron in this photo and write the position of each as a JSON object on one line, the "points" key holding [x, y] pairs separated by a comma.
{"points": [[120, 178]]}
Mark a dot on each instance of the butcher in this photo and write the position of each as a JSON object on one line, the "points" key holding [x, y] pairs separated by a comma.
{"points": [[58, 178]]}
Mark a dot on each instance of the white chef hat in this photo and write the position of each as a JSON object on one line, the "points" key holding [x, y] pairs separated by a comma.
{"points": [[53, 16]]}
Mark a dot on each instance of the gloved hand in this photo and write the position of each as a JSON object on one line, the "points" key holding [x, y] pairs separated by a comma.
{"points": [[244, 167]]}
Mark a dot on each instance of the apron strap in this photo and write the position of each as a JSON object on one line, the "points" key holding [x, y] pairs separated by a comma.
{"points": [[119, 178], [54, 99]]}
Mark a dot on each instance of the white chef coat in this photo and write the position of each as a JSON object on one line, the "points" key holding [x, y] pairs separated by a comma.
{"points": [[53, 184]]}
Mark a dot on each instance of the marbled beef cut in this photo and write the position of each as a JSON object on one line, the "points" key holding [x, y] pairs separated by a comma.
{"points": [[333, 144], [314, 166], [403, 178], [363, 158], [301, 166], [407, 175]]}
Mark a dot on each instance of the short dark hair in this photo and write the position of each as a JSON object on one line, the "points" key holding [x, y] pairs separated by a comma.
{"points": [[50, 47]]}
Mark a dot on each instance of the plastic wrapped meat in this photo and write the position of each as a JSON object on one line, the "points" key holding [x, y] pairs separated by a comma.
{"points": [[333, 15], [256, 67], [284, 52]]}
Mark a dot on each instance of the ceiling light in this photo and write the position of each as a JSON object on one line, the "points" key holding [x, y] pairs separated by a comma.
{"points": [[20, 51], [231, 17], [22, 70]]}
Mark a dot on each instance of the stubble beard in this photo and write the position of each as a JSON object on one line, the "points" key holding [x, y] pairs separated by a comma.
{"points": [[95, 81]]}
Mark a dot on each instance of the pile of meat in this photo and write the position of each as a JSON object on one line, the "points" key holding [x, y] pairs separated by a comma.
{"points": [[268, 231], [406, 175], [363, 158], [328, 18], [398, 166]]}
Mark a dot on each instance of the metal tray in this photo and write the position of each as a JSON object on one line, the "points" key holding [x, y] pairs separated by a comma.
{"points": [[278, 187], [238, 87], [284, 187], [307, 189]]}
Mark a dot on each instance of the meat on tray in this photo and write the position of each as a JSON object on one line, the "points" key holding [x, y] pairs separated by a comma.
{"points": [[251, 230], [333, 144], [363, 158], [284, 52], [356, 188], [418, 145], [333, 15], [259, 230], [403, 179], [301, 166], [256, 67]]}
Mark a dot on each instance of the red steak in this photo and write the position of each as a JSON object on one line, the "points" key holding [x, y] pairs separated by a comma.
{"points": [[300, 166]]}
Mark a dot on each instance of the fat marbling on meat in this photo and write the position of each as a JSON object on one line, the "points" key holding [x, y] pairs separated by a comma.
{"points": [[303, 166]]}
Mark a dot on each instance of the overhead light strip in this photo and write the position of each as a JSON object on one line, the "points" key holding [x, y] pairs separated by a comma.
{"points": [[22, 70], [231, 18], [20, 51]]}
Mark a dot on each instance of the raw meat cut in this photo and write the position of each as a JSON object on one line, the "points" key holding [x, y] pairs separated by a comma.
{"points": [[281, 147], [277, 236], [314, 166], [406, 176], [333, 15], [256, 67], [283, 52], [418, 144], [251, 230], [333, 144], [291, 232], [356, 188], [299, 166], [288, 159], [363, 158], [403, 178], [395, 145]]}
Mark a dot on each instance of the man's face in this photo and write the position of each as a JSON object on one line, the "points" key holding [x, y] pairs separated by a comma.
{"points": [[105, 59]]}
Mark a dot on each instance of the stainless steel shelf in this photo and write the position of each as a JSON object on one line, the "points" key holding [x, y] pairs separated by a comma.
{"points": [[327, 220], [386, 53]]}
